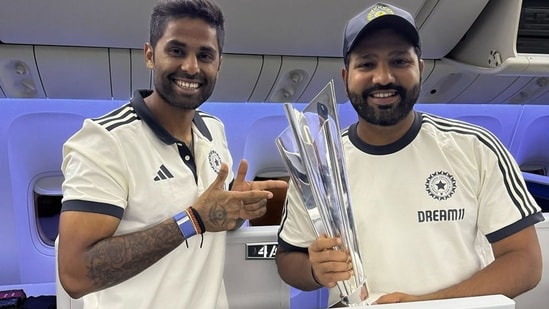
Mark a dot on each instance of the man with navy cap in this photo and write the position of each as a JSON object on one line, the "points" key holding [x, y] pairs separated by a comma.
{"points": [[440, 206]]}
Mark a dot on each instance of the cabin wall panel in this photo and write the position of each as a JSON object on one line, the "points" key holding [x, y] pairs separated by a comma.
{"points": [[530, 143], [501, 120], [33, 131], [10, 256]]}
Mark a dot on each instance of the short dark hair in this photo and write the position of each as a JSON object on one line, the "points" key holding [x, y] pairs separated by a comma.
{"points": [[167, 10]]}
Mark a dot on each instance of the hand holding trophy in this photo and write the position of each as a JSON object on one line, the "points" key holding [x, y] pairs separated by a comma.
{"points": [[312, 152]]}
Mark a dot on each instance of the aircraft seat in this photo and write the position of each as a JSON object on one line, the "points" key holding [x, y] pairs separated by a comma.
{"points": [[530, 146]]}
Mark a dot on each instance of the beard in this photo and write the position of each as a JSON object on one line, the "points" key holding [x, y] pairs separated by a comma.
{"points": [[166, 87], [384, 115]]}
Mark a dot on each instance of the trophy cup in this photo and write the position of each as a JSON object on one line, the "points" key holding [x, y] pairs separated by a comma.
{"points": [[312, 153]]}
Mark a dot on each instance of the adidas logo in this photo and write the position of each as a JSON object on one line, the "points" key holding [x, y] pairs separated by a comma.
{"points": [[163, 174]]}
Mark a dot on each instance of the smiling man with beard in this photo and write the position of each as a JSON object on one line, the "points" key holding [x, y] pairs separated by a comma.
{"points": [[146, 199], [440, 206]]}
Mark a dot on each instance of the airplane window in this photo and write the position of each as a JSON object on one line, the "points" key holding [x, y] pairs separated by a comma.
{"points": [[47, 206]]}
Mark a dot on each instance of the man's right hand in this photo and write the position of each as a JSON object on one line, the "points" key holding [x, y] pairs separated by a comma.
{"points": [[220, 209], [328, 264]]}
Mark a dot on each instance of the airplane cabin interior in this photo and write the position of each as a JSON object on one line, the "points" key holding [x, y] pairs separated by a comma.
{"points": [[486, 62]]}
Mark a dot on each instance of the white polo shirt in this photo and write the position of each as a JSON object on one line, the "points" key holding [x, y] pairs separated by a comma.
{"points": [[125, 164], [426, 206]]}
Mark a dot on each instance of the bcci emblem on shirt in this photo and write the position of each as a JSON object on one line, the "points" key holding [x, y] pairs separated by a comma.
{"points": [[440, 186]]}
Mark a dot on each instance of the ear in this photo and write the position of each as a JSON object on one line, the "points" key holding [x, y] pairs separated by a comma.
{"points": [[344, 77], [421, 66], [149, 55]]}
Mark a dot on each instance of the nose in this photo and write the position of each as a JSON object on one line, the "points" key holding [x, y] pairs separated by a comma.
{"points": [[383, 74], [190, 65]]}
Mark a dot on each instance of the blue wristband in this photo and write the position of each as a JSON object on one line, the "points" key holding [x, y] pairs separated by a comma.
{"points": [[185, 224]]}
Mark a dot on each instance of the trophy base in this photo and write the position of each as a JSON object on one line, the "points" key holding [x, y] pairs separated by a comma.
{"points": [[357, 297]]}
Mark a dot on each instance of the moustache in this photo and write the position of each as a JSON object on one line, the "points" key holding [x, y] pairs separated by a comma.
{"points": [[183, 75]]}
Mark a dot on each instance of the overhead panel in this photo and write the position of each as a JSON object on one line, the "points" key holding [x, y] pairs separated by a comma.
{"points": [[492, 45], [19, 76], [327, 69], [512, 89], [485, 88], [74, 72], [237, 78], [141, 75], [119, 61], [444, 83], [295, 75], [445, 24], [120, 73], [542, 99], [428, 67], [535, 88], [269, 73], [282, 27]]}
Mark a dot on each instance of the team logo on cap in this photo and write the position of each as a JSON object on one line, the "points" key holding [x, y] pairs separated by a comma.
{"points": [[379, 10], [440, 185]]}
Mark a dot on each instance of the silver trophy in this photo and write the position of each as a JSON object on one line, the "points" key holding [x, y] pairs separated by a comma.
{"points": [[312, 152]]}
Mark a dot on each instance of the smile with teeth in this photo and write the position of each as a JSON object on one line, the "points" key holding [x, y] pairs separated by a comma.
{"points": [[183, 84], [383, 94]]}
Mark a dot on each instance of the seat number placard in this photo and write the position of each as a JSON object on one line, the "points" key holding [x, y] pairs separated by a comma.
{"points": [[261, 251]]}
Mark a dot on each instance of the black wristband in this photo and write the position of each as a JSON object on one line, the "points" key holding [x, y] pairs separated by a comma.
{"points": [[198, 219]]}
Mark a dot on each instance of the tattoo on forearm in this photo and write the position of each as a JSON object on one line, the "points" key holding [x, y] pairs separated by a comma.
{"points": [[218, 215], [119, 258]]}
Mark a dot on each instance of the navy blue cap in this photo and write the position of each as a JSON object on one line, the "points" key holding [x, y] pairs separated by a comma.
{"points": [[380, 16]]}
